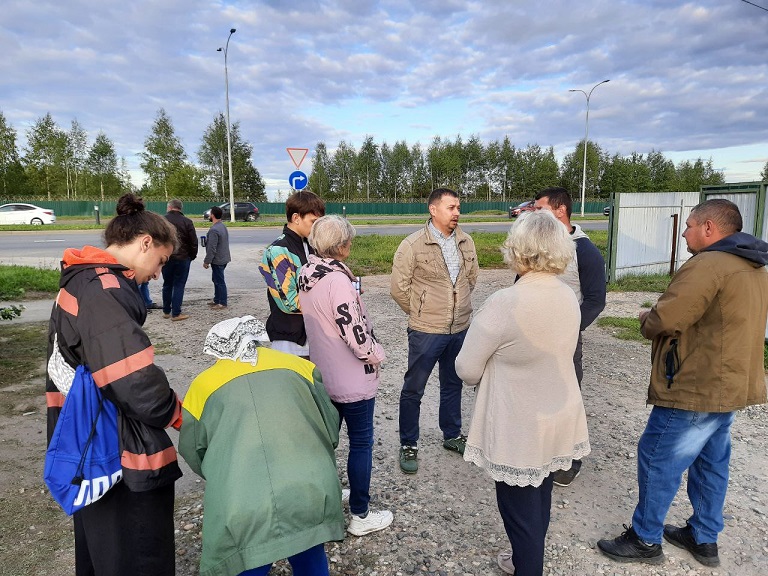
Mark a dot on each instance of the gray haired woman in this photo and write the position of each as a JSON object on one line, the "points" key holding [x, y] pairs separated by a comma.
{"points": [[348, 355], [528, 420]]}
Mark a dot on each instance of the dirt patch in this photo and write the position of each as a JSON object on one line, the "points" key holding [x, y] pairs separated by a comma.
{"points": [[446, 520]]}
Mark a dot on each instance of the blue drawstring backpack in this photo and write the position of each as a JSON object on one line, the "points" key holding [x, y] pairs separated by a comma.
{"points": [[83, 457]]}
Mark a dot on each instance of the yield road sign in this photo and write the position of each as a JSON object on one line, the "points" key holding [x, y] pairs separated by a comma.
{"points": [[297, 155], [298, 180]]}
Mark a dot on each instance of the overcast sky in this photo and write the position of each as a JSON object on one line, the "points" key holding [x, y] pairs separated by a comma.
{"points": [[687, 78]]}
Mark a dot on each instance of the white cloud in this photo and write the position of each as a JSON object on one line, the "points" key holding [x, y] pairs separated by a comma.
{"points": [[684, 76]]}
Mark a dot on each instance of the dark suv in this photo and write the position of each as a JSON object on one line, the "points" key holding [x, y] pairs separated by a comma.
{"points": [[245, 211], [526, 206]]}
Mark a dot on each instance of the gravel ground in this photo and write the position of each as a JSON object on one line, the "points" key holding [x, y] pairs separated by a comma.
{"points": [[446, 521]]}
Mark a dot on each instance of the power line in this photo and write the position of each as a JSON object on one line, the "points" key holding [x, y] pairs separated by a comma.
{"points": [[756, 5]]}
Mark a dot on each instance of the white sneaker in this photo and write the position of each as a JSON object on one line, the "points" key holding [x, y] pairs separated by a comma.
{"points": [[373, 522], [345, 494]]}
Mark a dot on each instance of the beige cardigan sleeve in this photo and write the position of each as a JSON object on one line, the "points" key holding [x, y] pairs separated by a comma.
{"points": [[481, 343]]}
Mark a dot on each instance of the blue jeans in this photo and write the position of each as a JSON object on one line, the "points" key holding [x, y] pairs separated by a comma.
{"points": [[144, 290], [175, 274], [424, 351], [219, 286], [674, 441], [359, 419], [312, 562]]}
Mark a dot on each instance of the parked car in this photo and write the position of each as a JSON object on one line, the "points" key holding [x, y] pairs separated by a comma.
{"points": [[245, 211], [26, 214], [526, 206], [607, 211]]}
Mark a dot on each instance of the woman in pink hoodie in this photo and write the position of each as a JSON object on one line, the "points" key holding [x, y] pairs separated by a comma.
{"points": [[348, 355]]}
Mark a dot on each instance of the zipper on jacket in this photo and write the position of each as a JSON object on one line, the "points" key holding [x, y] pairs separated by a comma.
{"points": [[671, 363], [421, 302]]}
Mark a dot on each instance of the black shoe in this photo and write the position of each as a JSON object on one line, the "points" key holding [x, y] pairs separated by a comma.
{"points": [[629, 548], [154, 306], [683, 538], [565, 477]]}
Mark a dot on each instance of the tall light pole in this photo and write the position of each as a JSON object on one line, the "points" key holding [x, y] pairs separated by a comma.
{"points": [[586, 141], [229, 136]]}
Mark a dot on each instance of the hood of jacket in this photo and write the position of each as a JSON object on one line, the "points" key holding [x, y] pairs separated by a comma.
{"points": [[577, 232], [743, 245], [76, 259], [318, 268]]}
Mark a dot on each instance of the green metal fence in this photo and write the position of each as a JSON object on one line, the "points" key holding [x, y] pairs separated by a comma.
{"points": [[86, 208]]}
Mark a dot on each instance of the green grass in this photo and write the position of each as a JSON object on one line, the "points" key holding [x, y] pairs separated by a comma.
{"points": [[372, 254], [622, 328], [640, 283], [18, 281]]}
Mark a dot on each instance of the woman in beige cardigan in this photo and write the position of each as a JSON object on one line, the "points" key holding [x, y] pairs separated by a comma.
{"points": [[528, 420]]}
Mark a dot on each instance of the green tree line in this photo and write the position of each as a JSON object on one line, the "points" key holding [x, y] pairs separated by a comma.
{"points": [[493, 171], [59, 164]]}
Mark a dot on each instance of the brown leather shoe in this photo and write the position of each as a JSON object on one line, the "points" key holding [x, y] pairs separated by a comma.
{"points": [[180, 317]]}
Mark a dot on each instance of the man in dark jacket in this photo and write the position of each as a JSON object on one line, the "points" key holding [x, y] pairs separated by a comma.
{"points": [[176, 270], [708, 333], [279, 267], [217, 257], [586, 277]]}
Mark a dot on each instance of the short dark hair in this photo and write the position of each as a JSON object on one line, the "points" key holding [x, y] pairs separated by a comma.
{"points": [[133, 220], [217, 212], [724, 213], [438, 193], [557, 196], [302, 203]]}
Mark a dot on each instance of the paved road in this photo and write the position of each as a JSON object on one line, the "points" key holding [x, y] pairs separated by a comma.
{"points": [[44, 247]]}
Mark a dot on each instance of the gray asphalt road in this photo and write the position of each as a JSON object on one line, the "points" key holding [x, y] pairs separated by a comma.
{"points": [[44, 247]]}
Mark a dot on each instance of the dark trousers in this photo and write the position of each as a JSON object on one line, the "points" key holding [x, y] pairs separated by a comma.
{"points": [[219, 285], [424, 351], [175, 274], [359, 418], [312, 562], [126, 534], [144, 289], [525, 512]]}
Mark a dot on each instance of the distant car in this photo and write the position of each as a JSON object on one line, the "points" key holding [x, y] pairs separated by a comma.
{"points": [[526, 206], [245, 211], [607, 211], [26, 214]]}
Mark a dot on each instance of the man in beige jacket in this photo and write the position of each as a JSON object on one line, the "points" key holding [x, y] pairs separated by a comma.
{"points": [[433, 274], [708, 332]]}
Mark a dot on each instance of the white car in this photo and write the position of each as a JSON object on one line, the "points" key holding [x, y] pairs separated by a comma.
{"points": [[26, 214]]}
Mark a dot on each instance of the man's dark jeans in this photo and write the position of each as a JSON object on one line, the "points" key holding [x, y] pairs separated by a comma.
{"points": [[175, 274], [219, 285], [424, 351]]}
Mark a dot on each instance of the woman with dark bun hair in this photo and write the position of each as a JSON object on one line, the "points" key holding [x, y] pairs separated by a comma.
{"points": [[97, 321]]}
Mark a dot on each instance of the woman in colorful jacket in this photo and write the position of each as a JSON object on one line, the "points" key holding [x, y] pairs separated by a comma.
{"points": [[348, 355], [261, 430], [528, 420], [97, 321]]}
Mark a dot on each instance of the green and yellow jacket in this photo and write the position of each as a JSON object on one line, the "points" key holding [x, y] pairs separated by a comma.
{"points": [[263, 437]]}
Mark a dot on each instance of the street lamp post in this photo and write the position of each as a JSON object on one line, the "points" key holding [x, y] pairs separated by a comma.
{"points": [[229, 136], [586, 140]]}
